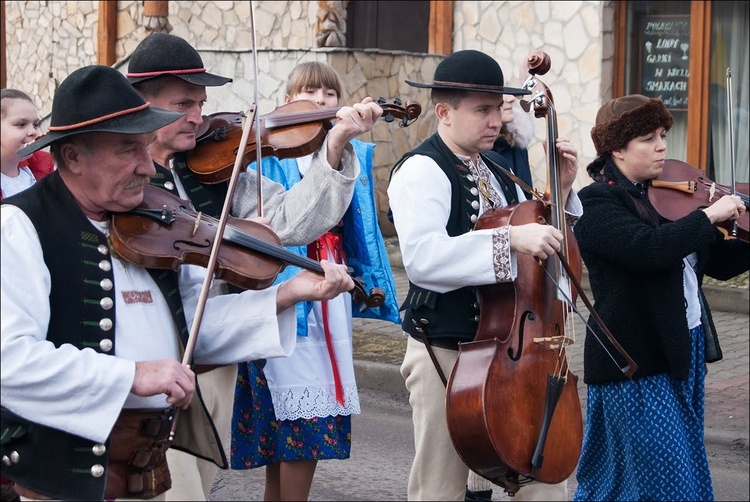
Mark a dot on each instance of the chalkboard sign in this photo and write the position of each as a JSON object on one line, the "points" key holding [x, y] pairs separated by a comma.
{"points": [[665, 59]]}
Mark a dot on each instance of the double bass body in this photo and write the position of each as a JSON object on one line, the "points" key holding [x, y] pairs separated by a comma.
{"points": [[496, 394]]}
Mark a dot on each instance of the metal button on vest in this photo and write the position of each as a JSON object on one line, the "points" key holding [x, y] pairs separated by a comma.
{"points": [[105, 345], [473, 218], [106, 284], [470, 177], [97, 470], [105, 265], [106, 303], [474, 191], [169, 185], [103, 249], [98, 449], [6, 460], [475, 305], [105, 324], [475, 204], [476, 318], [15, 457]]}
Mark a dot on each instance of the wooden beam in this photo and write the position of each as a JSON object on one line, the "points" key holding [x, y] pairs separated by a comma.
{"points": [[441, 27], [698, 84], [621, 43], [154, 8], [107, 33], [3, 54]]}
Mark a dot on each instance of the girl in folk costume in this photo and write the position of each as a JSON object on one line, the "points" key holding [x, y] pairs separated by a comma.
{"points": [[20, 127], [644, 437], [297, 410]]}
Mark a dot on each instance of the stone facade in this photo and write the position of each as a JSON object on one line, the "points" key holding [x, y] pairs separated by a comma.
{"points": [[48, 40]]}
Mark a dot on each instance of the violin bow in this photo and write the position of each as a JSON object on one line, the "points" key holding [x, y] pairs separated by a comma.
{"points": [[256, 117], [216, 245], [730, 130]]}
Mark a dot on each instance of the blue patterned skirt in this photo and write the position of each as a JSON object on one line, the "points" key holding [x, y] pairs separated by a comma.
{"points": [[644, 438], [259, 439]]}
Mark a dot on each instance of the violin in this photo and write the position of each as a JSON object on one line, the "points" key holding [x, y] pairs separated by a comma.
{"points": [[164, 232], [292, 130], [682, 188]]}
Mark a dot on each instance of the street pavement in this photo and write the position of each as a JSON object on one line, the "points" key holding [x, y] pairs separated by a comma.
{"points": [[727, 382]]}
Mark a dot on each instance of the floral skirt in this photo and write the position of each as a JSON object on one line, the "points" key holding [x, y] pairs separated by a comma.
{"points": [[259, 439], [644, 438]]}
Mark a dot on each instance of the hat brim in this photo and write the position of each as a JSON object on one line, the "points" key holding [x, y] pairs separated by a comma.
{"points": [[202, 78], [468, 87], [147, 120]]}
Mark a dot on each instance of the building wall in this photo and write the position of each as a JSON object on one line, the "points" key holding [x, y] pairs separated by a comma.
{"points": [[48, 40]]}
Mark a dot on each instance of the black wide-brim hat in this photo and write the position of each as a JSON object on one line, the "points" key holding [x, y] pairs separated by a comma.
{"points": [[161, 54], [470, 70], [98, 98]]}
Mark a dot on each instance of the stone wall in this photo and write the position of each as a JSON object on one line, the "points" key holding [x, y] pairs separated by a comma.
{"points": [[48, 40]]}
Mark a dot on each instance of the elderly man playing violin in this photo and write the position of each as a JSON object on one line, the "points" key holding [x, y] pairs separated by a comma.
{"points": [[168, 72], [90, 343]]}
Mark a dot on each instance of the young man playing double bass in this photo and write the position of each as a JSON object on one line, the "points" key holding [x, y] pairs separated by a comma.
{"points": [[437, 192], [169, 73]]}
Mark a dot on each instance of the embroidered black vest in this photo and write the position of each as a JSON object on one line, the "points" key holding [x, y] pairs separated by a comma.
{"points": [[82, 313], [450, 318]]}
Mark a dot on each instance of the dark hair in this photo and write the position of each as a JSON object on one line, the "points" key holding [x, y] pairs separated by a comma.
{"points": [[451, 96], [152, 87]]}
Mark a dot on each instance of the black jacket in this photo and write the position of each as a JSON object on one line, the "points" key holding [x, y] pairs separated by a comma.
{"points": [[635, 270]]}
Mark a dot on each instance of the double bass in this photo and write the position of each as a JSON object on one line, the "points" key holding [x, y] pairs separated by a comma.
{"points": [[512, 404]]}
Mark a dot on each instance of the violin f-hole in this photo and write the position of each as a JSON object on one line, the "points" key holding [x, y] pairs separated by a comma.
{"points": [[515, 356]]}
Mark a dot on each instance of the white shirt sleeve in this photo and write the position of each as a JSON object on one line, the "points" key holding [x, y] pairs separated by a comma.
{"points": [[420, 198], [74, 390]]}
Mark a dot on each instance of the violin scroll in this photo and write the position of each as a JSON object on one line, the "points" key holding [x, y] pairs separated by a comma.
{"points": [[406, 114]]}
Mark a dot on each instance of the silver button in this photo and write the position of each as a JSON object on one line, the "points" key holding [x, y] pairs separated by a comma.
{"points": [[474, 191], [105, 265], [97, 470], [103, 249], [105, 345], [476, 318], [473, 218], [475, 204], [106, 303], [470, 177], [15, 457], [99, 449], [6, 460], [169, 185], [475, 305], [105, 324], [106, 284]]}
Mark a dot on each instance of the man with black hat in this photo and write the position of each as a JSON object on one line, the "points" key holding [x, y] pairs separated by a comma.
{"points": [[436, 193], [168, 72], [91, 344]]}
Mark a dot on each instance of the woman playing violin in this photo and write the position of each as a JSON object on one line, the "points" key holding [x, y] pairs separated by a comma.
{"points": [[311, 395], [644, 437]]}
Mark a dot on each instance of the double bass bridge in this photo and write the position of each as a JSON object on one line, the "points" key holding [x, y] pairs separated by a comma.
{"points": [[554, 342]]}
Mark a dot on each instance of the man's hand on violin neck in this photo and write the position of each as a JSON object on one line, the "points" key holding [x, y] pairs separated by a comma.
{"points": [[309, 286], [164, 376]]}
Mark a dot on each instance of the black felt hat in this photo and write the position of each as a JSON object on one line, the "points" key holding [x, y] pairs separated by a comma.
{"points": [[470, 70], [98, 98], [162, 54]]}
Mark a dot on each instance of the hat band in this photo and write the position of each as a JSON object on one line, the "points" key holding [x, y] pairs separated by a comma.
{"points": [[468, 86], [165, 72], [99, 119]]}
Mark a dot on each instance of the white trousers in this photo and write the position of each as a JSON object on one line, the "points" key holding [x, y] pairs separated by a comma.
{"points": [[438, 473]]}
